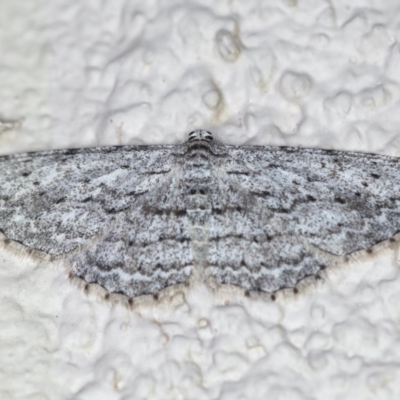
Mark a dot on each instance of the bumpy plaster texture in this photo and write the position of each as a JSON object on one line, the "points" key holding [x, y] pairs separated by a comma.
{"points": [[304, 74]]}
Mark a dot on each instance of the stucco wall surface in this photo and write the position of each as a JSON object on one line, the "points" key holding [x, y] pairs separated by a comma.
{"points": [[291, 72]]}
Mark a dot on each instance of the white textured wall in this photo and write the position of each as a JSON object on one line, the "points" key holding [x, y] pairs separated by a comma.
{"points": [[305, 73]]}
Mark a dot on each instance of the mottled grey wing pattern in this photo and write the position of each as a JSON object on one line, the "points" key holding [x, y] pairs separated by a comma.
{"points": [[99, 208], [137, 219], [275, 206]]}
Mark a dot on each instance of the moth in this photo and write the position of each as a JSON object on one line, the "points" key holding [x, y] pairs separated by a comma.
{"points": [[139, 219]]}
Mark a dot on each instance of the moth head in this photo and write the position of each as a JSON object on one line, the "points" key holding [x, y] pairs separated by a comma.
{"points": [[200, 134]]}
